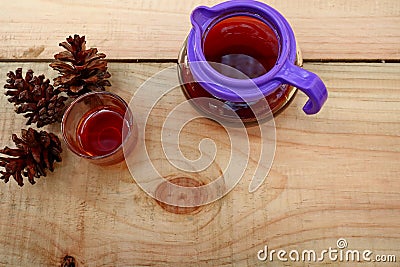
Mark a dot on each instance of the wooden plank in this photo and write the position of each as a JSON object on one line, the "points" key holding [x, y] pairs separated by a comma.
{"points": [[334, 175], [337, 29]]}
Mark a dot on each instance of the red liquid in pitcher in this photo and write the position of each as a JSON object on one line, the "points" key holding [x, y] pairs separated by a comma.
{"points": [[100, 130], [244, 43]]}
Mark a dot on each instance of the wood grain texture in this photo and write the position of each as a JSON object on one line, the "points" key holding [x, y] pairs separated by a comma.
{"points": [[334, 175], [156, 29]]}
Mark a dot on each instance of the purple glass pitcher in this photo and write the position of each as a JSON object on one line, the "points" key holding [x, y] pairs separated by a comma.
{"points": [[256, 42]]}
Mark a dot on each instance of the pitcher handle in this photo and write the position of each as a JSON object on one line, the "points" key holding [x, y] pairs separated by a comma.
{"points": [[308, 82]]}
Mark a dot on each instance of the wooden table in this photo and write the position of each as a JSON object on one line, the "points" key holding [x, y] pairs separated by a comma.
{"points": [[335, 175]]}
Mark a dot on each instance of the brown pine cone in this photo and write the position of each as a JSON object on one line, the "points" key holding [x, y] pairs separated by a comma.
{"points": [[34, 96], [35, 152], [81, 70]]}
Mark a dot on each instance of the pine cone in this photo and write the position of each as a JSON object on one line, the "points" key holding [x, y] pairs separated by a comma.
{"points": [[34, 96], [81, 70], [35, 152]]}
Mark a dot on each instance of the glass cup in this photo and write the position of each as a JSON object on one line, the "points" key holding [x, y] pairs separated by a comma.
{"points": [[99, 126]]}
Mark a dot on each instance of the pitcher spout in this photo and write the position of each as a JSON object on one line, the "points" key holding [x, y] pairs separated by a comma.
{"points": [[200, 17]]}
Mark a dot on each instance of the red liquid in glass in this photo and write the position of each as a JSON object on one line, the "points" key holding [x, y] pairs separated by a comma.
{"points": [[100, 131], [245, 43]]}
